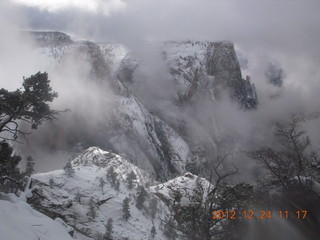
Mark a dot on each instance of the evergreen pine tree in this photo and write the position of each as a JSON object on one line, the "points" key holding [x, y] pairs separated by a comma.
{"points": [[29, 104], [141, 197], [153, 232], [117, 186], [169, 229], [9, 172], [109, 229], [51, 182], [126, 209], [92, 209], [8, 162], [77, 197], [75, 218], [29, 166], [153, 207], [112, 176], [131, 176], [101, 184], [69, 169]]}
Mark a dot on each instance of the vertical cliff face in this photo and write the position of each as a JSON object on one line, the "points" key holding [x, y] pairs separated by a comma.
{"points": [[209, 67], [201, 73], [222, 63], [162, 139], [106, 113], [243, 91]]}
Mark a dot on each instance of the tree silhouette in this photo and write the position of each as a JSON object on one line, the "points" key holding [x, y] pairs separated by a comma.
{"points": [[28, 104]]}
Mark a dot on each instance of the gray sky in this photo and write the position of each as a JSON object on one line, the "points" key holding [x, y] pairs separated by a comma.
{"points": [[243, 21], [274, 26]]}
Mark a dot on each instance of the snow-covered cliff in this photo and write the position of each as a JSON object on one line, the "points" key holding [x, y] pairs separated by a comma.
{"points": [[163, 136]]}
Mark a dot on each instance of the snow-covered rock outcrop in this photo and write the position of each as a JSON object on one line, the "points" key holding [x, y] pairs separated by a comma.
{"points": [[74, 197]]}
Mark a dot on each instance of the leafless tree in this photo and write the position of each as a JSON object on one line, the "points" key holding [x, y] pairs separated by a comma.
{"points": [[195, 220], [290, 163]]}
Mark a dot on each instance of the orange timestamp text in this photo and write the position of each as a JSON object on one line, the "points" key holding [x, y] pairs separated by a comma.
{"points": [[263, 214]]}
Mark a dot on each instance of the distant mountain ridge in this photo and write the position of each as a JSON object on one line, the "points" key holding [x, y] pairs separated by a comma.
{"points": [[49, 38], [164, 142]]}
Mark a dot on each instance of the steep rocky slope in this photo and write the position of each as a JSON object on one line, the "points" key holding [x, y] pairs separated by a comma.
{"points": [[202, 75], [164, 134], [128, 127]]}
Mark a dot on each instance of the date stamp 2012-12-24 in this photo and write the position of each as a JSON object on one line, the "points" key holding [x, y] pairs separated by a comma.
{"points": [[263, 214]]}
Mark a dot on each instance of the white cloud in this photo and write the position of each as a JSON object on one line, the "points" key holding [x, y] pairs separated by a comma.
{"points": [[105, 7]]}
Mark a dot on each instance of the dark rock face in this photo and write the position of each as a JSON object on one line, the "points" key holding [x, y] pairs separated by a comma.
{"points": [[245, 93], [222, 63], [200, 68], [208, 69], [93, 53]]}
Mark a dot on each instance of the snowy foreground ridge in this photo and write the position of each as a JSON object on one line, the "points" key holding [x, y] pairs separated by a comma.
{"points": [[19, 221], [86, 203]]}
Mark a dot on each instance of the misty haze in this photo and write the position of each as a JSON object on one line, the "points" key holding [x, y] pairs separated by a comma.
{"points": [[164, 120]]}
